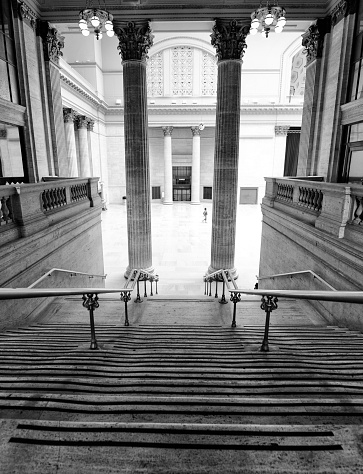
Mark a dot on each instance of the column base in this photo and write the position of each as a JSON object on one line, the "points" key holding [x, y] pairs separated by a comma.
{"points": [[129, 269], [168, 203], [195, 203], [232, 271]]}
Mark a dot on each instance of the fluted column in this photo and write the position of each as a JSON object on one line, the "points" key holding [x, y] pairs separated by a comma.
{"points": [[196, 166], [168, 166], [84, 163], [69, 118], [229, 39], [134, 42]]}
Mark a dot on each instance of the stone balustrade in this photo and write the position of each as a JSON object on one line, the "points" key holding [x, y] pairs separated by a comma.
{"points": [[29, 208], [328, 206]]}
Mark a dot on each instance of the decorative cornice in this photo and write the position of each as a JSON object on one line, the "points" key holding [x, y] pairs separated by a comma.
{"points": [[313, 39], [281, 129], [134, 41], [83, 93], [52, 41], [27, 14], [229, 39], [195, 131], [167, 131], [69, 115]]}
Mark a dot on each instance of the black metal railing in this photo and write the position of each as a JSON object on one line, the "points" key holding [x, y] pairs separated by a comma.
{"points": [[269, 298], [90, 296]]}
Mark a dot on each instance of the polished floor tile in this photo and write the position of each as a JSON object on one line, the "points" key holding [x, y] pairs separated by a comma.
{"points": [[181, 246]]}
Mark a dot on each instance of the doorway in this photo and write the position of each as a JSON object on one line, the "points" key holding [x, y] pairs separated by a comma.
{"points": [[182, 176]]}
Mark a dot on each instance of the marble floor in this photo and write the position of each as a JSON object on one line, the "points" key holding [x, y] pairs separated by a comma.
{"points": [[181, 245]]}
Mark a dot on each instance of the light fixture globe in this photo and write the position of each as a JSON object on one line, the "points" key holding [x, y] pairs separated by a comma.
{"points": [[85, 32], [110, 33], [253, 31], [281, 21], [269, 19], [95, 21], [108, 25], [82, 24]]}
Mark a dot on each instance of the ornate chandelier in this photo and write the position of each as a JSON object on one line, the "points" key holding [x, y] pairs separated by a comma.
{"points": [[96, 18], [267, 17]]}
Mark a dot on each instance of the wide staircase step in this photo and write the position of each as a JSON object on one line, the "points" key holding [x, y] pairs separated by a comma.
{"points": [[184, 398]]}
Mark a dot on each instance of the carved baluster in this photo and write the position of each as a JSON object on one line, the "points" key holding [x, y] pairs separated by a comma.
{"points": [[126, 297], [1, 212], [5, 210], [320, 200]]}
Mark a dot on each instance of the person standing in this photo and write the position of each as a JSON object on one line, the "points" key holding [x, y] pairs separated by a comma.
{"points": [[205, 213]]}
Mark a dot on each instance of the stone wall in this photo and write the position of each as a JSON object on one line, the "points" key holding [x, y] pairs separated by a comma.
{"points": [[67, 236]]}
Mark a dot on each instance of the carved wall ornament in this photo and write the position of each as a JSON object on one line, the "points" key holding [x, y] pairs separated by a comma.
{"points": [[53, 45], [167, 131], [68, 115], [182, 70], [209, 74], [134, 41], [281, 129], [155, 76], [27, 14], [229, 39], [341, 10], [313, 39]]}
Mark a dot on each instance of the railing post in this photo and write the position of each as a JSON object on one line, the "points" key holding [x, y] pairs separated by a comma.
{"points": [[138, 299], [156, 284], [90, 301], [126, 297], [223, 299], [145, 293], [268, 304], [210, 288], [216, 295], [235, 298]]}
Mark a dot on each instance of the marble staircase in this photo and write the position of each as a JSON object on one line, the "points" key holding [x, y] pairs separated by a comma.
{"points": [[192, 397]]}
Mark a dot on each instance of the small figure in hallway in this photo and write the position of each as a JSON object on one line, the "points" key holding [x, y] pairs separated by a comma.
{"points": [[205, 213]]}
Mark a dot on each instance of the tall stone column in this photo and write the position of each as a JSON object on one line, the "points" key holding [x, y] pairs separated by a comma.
{"points": [[279, 150], [69, 118], [84, 162], [135, 40], [228, 38], [196, 166], [90, 126], [313, 41], [168, 166]]}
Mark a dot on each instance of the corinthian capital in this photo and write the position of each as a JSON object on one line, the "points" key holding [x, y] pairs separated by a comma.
{"points": [[82, 121], [135, 39], [229, 39], [313, 39], [52, 41], [167, 131], [195, 131], [68, 115]]}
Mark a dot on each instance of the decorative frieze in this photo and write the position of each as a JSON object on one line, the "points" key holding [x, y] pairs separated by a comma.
{"points": [[229, 39], [134, 41], [341, 10], [281, 129], [167, 131], [27, 14], [52, 41], [313, 39]]}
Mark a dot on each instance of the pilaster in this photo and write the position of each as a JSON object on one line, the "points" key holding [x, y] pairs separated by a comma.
{"points": [[84, 161], [69, 117]]}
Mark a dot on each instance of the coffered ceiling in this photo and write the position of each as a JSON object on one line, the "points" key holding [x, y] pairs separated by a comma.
{"points": [[67, 10]]}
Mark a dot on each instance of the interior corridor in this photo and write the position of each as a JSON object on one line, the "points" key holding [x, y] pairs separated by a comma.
{"points": [[181, 245]]}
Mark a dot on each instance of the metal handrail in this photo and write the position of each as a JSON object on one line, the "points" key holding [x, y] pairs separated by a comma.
{"points": [[269, 298], [277, 275], [89, 295], [72, 272]]}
